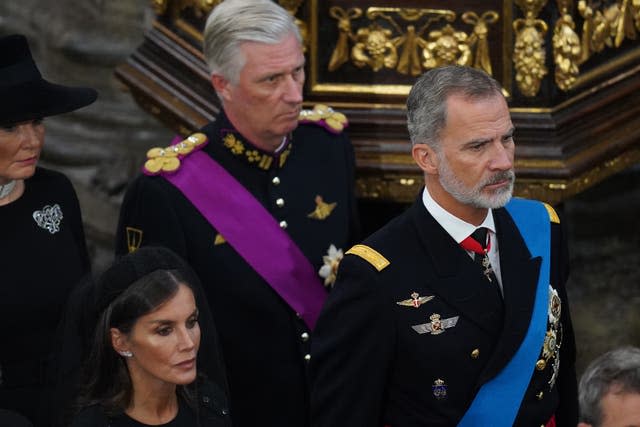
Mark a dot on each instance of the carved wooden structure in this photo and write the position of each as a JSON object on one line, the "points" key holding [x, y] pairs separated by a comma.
{"points": [[570, 71]]}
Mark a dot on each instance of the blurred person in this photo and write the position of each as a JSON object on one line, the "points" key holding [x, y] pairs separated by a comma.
{"points": [[260, 203], [143, 367], [43, 246], [609, 390], [455, 312]]}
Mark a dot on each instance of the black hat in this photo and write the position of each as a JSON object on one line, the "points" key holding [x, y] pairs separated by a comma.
{"points": [[24, 94]]}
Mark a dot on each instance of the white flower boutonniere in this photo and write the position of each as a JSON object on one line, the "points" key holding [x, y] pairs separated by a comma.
{"points": [[330, 268]]}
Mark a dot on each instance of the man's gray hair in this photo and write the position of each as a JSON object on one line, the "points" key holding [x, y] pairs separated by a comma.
{"points": [[234, 22], [616, 371], [427, 102]]}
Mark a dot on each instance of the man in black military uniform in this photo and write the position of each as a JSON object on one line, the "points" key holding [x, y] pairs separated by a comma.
{"points": [[424, 327], [286, 168]]}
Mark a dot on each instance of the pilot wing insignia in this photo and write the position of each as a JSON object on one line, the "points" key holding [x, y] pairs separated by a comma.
{"points": [[415, 301], [437, 325]]}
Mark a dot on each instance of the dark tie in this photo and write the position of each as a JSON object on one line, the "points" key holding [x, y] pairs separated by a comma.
{"points": [[480, 246]]}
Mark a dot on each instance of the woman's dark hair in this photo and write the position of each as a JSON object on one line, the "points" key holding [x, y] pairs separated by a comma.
{"points": [[124, 293]]}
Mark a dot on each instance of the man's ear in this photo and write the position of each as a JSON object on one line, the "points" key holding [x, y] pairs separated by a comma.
{"points": [[425, 157], [221, 86], [119, 340]]}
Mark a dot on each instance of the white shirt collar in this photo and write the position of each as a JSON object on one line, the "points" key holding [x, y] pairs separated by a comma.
{"points": [[457, 228]]}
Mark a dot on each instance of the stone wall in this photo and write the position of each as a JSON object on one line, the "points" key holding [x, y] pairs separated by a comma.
{"points": [[101, 147]]}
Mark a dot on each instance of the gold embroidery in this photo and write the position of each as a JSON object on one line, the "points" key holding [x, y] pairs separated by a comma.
{"points": [[236, 146], [322, 210], [370, 255], [134, 238]]}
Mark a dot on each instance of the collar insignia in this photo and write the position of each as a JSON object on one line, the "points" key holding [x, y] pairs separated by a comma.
{"points": [[253, 155], [415, 301], [167, 160], [437, 325], [322, 210]]}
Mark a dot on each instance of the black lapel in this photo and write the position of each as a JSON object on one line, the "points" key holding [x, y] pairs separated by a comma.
{"points": [[453, 276], [519, 281]]}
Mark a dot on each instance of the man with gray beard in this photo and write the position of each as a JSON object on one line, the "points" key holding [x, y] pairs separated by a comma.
{"points": [[454, 313]]}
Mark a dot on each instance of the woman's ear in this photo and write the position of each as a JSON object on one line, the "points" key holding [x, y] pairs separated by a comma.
{"points": [[425, 157], [119, 341]]}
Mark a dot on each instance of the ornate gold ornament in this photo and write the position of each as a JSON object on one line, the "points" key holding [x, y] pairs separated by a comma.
{"points": [[529, 54], [384, 43], [567, 49]]}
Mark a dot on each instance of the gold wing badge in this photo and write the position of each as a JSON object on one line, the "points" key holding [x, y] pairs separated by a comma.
{"points": [[323, 209], [415, 301]]}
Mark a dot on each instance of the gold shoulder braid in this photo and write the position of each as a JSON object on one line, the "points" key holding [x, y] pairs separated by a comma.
{"points": [[553, 216], [370, 255], [168, 159], [326, 117]]}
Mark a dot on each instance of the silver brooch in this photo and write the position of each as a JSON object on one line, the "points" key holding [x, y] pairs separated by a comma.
{"points": [[49, 218]]}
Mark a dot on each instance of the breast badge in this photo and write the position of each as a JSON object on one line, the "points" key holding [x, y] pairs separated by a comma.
{"points": [[439, 389], [437, 325], [49, 218], [415, 301], [322, 210], [329, 269], [134, 238], [553, 337]]}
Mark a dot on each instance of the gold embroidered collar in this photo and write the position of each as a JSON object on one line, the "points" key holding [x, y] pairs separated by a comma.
{"points": [[251, 154]]}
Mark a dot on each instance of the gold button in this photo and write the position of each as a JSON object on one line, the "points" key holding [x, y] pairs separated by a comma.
{"points": [[275, 180], [541, 364], [280, 203], [305, 337], [307, 357], [283, 224], [475, 353], [540, 395]]}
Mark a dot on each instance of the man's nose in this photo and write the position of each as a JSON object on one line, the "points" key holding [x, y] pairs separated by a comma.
{"points": [[502, 158], [293, 90]]}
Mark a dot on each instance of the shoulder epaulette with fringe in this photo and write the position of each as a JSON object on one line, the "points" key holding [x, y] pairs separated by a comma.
{"points": [[167, 160], [326, 117]]}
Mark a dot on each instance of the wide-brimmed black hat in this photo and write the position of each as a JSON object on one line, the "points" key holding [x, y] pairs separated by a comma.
{"points": [[24, 94]]}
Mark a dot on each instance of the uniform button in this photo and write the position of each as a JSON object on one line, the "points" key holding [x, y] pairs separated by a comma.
{"points": [[475, 353], [540, 395], [205, 399], [283, 224], [541, 364], [305, 337], [275, 180], [307, 357], [280, 202]]}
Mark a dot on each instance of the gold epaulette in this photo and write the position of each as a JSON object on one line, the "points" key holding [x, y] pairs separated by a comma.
{"points": [[326, 117], [553, 216], [370, 255], [168, 159]]}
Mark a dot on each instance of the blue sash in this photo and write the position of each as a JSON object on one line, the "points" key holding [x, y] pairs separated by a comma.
{"points": [[498, 401]]}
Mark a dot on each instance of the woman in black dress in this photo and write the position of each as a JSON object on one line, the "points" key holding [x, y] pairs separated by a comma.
{"points": [[144, 368], [42, 247]]}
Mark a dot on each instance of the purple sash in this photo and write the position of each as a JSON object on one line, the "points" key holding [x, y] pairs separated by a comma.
{"points": [[251, 230]]}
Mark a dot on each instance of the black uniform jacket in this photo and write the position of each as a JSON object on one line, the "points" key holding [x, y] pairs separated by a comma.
{"points": [[264, 342], [371, 368]]}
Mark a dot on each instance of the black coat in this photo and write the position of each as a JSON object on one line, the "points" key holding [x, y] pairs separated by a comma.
{"points": [[371, 368], [263, 341]]}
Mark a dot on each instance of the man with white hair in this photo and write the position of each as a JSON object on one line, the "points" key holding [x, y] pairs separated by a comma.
{"points": [[260, 202]]}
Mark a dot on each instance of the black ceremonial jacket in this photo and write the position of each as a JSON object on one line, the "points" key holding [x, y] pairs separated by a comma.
{"points": [[265, 345], [371, 368]]}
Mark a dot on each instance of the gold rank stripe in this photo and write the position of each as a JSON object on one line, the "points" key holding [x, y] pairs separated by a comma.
{"points": [[370, 255], [553, 216]]}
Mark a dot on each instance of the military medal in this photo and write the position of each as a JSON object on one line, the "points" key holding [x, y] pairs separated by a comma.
{"points": [[486, 265], [415, 301], [437, 325], [439, 389]]}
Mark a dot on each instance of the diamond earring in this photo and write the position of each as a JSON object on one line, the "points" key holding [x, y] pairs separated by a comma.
{"points": [[125, 353]]}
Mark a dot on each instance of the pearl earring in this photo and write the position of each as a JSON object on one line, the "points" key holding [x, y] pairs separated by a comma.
{"points": [[125, 353]]}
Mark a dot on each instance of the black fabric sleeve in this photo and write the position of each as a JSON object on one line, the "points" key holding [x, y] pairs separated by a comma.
{"points": [[351, 351]]}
